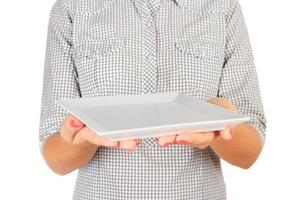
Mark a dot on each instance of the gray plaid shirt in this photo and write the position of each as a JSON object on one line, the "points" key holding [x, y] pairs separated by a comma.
{"points": [[111, 47]]}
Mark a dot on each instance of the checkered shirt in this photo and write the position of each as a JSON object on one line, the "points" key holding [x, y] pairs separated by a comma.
{"points": [[111, 47]]}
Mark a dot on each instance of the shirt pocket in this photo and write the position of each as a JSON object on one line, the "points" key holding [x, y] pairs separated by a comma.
{"points": [[97, 63], [199, 63], [104, 67]]}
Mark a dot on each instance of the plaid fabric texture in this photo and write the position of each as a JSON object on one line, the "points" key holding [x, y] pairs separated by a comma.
{"points": [[111, 47]]}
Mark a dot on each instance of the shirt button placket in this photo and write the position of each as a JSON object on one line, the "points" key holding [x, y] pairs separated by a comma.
{"points": [[149, 47], [150, 63]]}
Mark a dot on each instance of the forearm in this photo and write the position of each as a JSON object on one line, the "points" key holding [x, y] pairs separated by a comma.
{"points": [[63, 157], [243, 149]]}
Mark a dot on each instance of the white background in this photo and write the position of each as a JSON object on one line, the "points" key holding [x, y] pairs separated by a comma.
{"points": [[274, 32]]}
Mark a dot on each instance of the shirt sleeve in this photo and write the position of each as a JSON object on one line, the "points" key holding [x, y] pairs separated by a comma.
{"points": [[59, 78], [239, 81]]}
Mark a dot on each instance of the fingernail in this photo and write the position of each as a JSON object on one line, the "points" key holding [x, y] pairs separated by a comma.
{"points": [[75, 124]]}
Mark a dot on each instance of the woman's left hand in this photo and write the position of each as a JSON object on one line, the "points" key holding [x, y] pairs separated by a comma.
{"points": [[201, 139]]}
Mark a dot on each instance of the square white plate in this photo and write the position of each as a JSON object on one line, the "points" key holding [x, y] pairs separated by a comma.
{"points": [[147, 115]]}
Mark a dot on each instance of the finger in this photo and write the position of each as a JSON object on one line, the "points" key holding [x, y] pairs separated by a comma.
{"points": [[217, 135], [204, 139], [226, 134], [98, 140], [223, 102], [196, 138], [137, 141], [165, 140], [232, 128], [128, 144], [74, 121], [70, 127], [80, 138]]}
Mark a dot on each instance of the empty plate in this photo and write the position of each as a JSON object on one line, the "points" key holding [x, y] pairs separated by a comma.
{"points": [[135, 116]]}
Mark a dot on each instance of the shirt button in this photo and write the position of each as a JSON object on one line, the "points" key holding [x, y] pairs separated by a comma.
{"points": [[150, 57]]}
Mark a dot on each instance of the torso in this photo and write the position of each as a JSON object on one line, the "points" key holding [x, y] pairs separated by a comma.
{"points": [[117, 52]]}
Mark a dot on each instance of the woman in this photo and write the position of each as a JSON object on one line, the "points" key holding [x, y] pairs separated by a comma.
{"points": [[112, 47]]}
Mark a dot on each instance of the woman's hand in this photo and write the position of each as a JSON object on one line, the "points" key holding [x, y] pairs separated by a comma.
{"points": [[75, 132], [201, 139]]}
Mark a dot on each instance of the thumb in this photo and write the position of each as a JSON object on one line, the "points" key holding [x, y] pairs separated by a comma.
{"points": [[75, 123], [70, 128], [226, 134]]}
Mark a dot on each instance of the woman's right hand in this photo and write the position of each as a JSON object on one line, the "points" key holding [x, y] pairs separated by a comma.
{"points": [[75, 132]]}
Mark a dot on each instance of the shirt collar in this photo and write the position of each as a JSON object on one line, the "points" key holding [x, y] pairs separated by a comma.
{"points": [[140, 4], [180, 3]]}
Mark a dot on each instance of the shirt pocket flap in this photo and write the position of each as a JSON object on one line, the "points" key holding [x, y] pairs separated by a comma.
{"points": [[98, 48], [198, 49]]}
